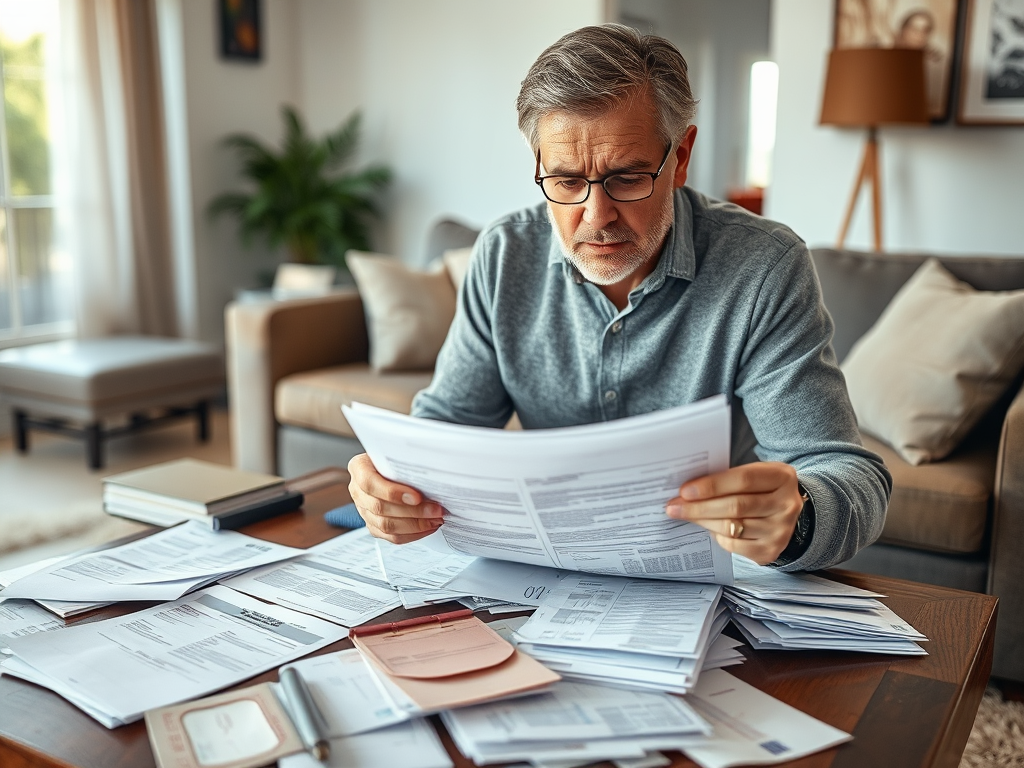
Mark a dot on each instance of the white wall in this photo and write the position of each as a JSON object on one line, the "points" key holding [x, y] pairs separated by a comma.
{"points": [[718, 52], [946, 188], [224, 97], [436, 82]]}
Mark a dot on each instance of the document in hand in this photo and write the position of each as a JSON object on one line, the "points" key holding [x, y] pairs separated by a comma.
{"points": [[449, 660], [118, 668], [587, 498], [164, 566]]}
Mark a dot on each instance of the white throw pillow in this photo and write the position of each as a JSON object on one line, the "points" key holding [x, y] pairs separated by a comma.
{"points": [[937, 359], [408, 312]]}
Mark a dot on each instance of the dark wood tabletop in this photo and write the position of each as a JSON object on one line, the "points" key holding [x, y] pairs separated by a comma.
{"points": [[915, 711]]}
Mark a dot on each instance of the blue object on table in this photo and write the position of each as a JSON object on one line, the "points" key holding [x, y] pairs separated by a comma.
{"points": [[345, 517]]}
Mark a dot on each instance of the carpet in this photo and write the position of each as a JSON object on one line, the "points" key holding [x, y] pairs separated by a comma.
{"points": [[998, 735]]}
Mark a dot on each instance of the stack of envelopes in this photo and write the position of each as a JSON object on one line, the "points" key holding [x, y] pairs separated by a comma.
{"points": [[777, 610], [630, 633]]}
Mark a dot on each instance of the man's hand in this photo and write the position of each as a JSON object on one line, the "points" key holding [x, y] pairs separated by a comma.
{"points": [[392, 511], [751, 509]]}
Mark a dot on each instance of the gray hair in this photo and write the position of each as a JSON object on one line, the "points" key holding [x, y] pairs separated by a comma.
{"points": [[594, 69]]}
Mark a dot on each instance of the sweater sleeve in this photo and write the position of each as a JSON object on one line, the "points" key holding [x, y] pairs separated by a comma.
{"points": [[794, 396]]}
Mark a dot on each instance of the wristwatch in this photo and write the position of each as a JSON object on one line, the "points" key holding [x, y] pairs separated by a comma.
{"points": [[802, 533]]}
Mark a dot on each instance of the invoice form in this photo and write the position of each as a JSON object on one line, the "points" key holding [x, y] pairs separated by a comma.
{"points": [[588, 498], [118, 668]]}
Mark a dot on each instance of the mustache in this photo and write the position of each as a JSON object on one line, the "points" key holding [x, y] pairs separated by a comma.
{"points": [[614, 233]]}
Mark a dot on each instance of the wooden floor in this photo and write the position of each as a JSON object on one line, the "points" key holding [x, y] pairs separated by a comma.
{"points": [[50, 495]]}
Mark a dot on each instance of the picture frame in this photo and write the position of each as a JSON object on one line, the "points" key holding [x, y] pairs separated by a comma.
{"points": [[241, 34], [928, 24], [992, 67]]}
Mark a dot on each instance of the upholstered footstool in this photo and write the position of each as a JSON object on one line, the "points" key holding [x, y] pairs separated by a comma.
{"points": [[73, 387]]}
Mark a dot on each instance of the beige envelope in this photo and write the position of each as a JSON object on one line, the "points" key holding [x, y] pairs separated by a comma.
{"points": [[450, 663]]}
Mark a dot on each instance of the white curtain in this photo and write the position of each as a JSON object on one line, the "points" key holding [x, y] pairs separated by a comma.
{"points": [[111, 180]]}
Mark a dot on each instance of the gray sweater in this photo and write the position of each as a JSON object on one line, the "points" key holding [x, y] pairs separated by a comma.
{"points": [[733, 306]]}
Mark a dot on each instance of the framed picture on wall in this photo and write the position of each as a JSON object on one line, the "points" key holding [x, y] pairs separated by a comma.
{"points": [[240, 34], [992, 71], [927, 24]]}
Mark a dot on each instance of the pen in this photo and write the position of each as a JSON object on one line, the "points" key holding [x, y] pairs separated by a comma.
{"points": [[395, 626], [309, 721]]}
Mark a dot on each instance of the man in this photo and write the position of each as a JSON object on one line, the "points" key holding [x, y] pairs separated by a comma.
{"points": [[627, 292]]}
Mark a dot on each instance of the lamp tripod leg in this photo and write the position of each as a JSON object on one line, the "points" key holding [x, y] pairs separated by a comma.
{"points": [[876, 189], [862, 176]]}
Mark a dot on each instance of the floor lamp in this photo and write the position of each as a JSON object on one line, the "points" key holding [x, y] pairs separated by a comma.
{"points": [[868, 88]]}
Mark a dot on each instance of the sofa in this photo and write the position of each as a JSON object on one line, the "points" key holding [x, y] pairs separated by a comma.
{"points": [[958, 522]]}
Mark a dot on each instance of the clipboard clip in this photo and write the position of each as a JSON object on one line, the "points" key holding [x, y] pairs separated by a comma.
{"points": [[397, 626]]}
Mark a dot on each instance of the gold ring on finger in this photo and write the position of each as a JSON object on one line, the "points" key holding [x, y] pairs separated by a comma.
{"points": [[736, 528]]}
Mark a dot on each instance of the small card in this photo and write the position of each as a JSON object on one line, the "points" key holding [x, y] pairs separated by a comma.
{"points": [[248, 728]]}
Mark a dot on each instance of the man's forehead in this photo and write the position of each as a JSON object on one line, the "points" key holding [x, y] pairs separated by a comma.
{"points": [[615, 136]]}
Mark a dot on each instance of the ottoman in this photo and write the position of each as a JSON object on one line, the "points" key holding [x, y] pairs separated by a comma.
{"points": [[72, 387]]}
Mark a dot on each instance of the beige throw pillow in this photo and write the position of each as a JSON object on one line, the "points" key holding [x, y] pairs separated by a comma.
{"points": [[456, 261], [936, 360], [408, 313]]}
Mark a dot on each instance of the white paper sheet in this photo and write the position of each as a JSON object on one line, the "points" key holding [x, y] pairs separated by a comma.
{"points": [[751, 727], [513, 582], [23, 617], [589, 498], [169, 653], [636, 615], [576, 712], [331, 582], [163, 566], [354, 552], [411, 745], [347, 693], [418, 565]]}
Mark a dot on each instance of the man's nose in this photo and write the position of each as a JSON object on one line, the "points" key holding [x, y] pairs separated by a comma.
{"points": [[599, 209]]}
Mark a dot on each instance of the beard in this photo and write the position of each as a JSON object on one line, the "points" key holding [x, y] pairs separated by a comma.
{"points": [[614, 268]]}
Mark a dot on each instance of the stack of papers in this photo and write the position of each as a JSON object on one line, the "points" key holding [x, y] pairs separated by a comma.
{"points": [[777, 610], [163, 566], [116, 669], [573, 722], [630, 633]]}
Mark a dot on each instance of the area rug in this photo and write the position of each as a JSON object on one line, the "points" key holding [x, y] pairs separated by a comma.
{"points": [[998, 735]]}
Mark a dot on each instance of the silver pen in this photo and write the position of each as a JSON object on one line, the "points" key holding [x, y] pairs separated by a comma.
{"points": [[309, 721]]}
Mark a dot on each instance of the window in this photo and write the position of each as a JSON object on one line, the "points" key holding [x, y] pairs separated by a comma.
{"points": [[764, 92], [35, 278]]}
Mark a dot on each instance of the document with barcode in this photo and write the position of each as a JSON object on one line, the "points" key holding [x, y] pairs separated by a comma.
{"points": [[588, 498]]}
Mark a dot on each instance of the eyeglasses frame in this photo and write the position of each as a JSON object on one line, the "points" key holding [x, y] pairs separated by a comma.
{"points": [[539, 180]]}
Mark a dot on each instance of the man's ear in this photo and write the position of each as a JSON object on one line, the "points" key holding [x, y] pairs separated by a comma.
{"points": [[683, 153]]}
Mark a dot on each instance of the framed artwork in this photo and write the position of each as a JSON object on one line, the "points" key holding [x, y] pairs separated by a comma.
{"points": [[927, 24], [992, 70], [240, 34]]}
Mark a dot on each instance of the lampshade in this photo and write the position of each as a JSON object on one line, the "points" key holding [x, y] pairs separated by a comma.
{"points": [[874, 86]]}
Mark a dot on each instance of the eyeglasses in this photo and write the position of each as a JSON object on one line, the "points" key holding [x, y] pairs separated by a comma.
{"points": [[621, 187]]}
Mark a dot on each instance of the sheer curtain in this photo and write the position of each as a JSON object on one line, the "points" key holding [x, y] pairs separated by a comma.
{"points": [[111, 170]]}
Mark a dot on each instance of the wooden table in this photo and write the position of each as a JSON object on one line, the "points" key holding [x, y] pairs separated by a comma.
{"points": [[901, 711]]}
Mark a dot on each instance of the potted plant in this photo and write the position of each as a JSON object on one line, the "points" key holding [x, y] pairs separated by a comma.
{"points": [[303, 198]]}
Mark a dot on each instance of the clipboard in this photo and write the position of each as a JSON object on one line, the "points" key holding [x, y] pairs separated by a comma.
{"points": [[449, 660]]}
